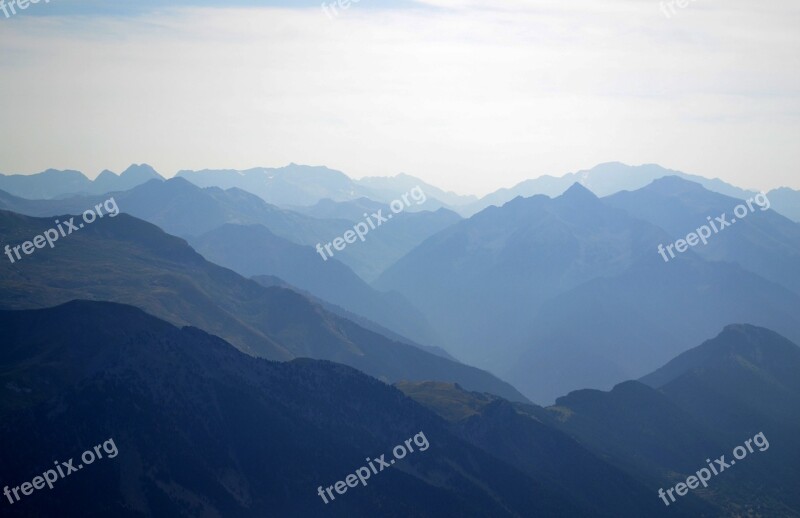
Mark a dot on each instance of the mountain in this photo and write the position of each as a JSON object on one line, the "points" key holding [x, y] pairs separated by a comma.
{"points": [[352, 210], [390, 188], [603, 180], [786, 201], [189, 426], [128, 261], [133, 176], [748, 375], [269, 281], [253, 250], [731, 389], [294, 184], [393, 240], [47, 184], [763, 241], [383, 248], [544, 453], [560, 294], [703, 404], [58, 184], [183, 209]]}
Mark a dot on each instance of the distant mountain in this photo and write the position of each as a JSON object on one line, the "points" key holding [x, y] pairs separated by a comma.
{"points": [[132, 177], [269, 281], [352, 210], [559, 294], [603, 180], [394, 239], [390, 188], [47, 184], [128, 261], [185, 210], [763, 242], [58, 184], [200, 429], [296, 186], [253, 250], [293, 185], [708, 401], [786, 202]]}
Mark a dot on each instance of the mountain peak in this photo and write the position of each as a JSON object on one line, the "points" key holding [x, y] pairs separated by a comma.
{"points": [[143, 171], [578, 193], [105, 173], [755, 345]]}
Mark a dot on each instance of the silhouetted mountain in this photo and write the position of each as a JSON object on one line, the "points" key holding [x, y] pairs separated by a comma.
{"points": [[559, 294], [747, 375], [763, 242], [636, 426], [544, 453], [200, 429], [129, 261], [53, 184], [254, 250], [710, 400]]}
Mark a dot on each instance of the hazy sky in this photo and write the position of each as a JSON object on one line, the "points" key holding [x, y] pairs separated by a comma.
{"points": [[468, 95]]}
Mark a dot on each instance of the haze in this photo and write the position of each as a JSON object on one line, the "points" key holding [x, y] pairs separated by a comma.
{"points": [[468, 95]]}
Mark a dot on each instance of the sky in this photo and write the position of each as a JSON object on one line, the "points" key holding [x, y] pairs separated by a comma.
{"points": [[469, 95]]}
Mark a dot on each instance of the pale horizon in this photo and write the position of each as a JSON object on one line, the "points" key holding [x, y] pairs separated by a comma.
{"points": [[470, 96]]}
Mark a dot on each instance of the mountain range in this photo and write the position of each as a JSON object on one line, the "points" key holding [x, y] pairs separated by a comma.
{"points": [[701, 404], [506, 287], [300, 187], [241, 374], [129, 261], [185, 210], [203, 429], [60, 183], [252, 250], [615, 177]]}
